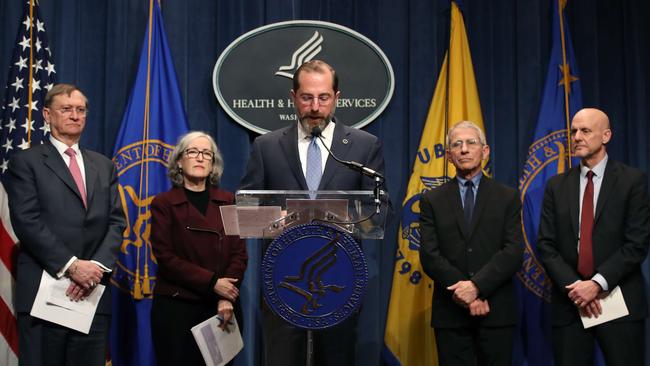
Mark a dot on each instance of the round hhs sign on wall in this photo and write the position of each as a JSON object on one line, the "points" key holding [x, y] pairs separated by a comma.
{"points": [[254, 74]]}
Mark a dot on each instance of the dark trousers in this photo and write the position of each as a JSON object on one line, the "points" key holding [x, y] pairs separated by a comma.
{"points": [[468, 346], [171, 322], [622, 343], [42, 343], [286, 345]]}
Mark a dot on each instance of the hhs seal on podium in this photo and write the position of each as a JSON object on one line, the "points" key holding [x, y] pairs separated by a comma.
{"points": [[314, 276]]}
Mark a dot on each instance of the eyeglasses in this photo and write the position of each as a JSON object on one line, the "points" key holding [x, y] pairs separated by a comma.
{"points": [[67, 110], [194, 153], [471, 143], [323, 99]]}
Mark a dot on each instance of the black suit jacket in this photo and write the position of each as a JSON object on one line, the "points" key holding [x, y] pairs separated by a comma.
{"points": [[620, 236], [488, 252], [51, 223], [274, 162]]}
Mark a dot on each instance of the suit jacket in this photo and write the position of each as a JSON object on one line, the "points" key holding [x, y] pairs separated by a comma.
{"points": [[51, 222], [192, 249], [620, 236], [488, 252], [275, 163]]}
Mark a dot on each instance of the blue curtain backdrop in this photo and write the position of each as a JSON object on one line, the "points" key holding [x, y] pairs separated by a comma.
{"points": [[96, 45]]}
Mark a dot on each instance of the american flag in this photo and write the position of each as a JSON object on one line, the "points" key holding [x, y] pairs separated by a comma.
{"points": [[31, 75]]}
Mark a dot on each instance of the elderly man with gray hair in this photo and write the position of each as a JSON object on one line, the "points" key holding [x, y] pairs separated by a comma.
{"points": [[471, 248]]}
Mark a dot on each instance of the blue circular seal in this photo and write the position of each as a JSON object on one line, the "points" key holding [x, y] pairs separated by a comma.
{"points": [[314, 276]]}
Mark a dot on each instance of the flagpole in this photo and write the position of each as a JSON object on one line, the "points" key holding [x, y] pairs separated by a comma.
{"points": [[146, 286], [447, 59], [31, 72], [566, 78], [140, 290], [153, 120]]}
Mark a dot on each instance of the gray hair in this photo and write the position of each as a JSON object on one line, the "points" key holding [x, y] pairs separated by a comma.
{"points": [[467, 124], [61, 89], [175, 173]]}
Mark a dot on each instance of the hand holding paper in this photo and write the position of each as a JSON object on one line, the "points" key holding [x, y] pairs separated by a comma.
{"points": [[218, 346], [613, 307], [53, 304]]}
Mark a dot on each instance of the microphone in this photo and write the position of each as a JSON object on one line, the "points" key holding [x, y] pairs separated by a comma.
{"points": [[316, 133], [376, 176]]}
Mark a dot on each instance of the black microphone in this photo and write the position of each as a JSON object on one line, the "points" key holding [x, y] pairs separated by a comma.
{"points": [[378, 178], [316, 132]]}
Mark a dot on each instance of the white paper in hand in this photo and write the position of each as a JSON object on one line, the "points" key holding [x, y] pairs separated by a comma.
{"points": [[53, 305], [613, 308], [217, 346]]}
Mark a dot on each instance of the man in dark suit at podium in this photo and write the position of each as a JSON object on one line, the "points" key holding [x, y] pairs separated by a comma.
{"points": [[471, 248], [593, 236], [291, 159]]}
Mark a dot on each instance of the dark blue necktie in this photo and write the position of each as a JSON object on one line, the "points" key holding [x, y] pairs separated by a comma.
{"points": [[469, 201]]}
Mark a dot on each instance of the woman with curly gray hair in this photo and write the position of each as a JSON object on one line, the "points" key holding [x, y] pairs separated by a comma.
{"points": [[200, 269]]}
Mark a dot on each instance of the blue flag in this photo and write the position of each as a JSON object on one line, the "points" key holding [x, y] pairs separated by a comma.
{"points": [[153, 121], [548, 155]]}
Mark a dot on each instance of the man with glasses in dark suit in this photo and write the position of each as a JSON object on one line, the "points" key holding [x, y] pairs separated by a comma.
{"points": [[471, 248], [280, 160], [66, 212]]}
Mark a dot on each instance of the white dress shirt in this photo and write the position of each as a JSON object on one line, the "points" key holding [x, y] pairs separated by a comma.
{"points": [[61, 148], [599, 174], [303, 144]]}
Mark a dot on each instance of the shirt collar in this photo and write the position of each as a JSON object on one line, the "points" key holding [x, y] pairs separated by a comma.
{"points": [[476, 179], [599, 169], [327, 134], [62, 147]]}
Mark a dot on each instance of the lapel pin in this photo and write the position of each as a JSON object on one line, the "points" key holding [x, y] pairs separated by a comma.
{"points": [[345, 141]]}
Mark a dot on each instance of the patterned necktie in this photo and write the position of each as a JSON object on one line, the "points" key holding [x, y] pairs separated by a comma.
{"points": [[469, 201], [585, 249], [314, 165], [76, 173]]}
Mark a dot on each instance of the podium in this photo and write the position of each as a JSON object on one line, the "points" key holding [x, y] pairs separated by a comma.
{"points": [[314, 272], [266, 214]]}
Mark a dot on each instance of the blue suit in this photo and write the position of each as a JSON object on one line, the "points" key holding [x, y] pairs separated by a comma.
{"points": [[274, 164]]}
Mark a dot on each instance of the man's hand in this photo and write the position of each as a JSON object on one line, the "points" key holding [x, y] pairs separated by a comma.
{"points": [[86, 274], [225, 310], [592, 308], [76, 292], [479, 307], [581, 293], [464, 292], [225, 287]]}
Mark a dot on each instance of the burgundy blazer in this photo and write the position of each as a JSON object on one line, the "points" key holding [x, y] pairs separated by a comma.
{"points": [[191, 248]]}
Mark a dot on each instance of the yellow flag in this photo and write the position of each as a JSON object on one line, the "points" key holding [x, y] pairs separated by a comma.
{"points": [[409, 337]]}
